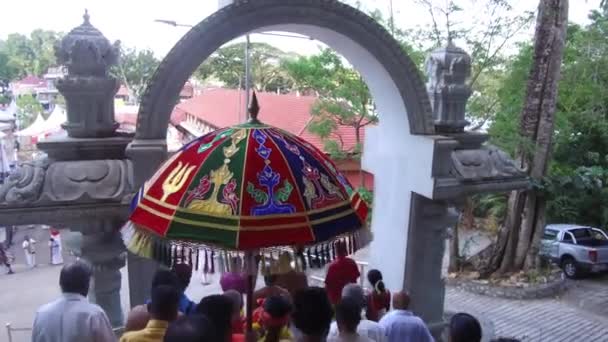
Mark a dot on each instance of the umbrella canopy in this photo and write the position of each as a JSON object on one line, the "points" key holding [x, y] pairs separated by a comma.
{"points": [[243, 188]]}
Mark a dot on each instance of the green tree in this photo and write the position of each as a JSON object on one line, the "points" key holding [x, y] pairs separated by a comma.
{"points": [[28, 109], [25, 55], [134, 69], [343, 99], [575, 186], [227, 64], [485, 36], [8, 71], [519, 240]]}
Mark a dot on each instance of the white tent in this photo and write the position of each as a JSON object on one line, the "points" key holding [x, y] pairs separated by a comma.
{"points": [[35, 129], [53, 123]]}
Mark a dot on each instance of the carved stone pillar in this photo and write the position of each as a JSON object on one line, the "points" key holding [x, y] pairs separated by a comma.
{"points": [[448, 69], [104, 249], [146, 156], [88, 89], [429, 221]]}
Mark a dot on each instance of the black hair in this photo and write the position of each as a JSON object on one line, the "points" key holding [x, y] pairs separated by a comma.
{"points": [[165, 301], [464, 328], [192, 328], [277, 306], [375, 279], [76, 278], [165, 277], [312, 311], [184, 274], [218, 309], [348, 314], [270, 279]]}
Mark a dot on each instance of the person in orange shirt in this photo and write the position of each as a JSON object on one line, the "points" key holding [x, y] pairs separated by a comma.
{"points": [[342, 271]]}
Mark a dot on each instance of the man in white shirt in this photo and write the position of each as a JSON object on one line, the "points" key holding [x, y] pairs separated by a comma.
{"points": [[72, 318], [29, 247], [348, 317], [367, 328], [400, 325]]}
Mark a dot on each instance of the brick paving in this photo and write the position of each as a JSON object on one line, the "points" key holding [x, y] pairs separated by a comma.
{"points": [[590, 294], [532, 320]]}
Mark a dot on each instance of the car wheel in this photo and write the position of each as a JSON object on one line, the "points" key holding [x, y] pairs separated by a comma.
{"points": [[570, 268]]}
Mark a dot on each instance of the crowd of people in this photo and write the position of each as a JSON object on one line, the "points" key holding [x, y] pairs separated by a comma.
{"points": [[29, 247], [309, 314]]}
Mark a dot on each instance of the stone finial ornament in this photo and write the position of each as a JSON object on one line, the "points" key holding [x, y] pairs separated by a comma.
{"points": [[88, 88], [254, 109], [85, 51], [448, 69]]}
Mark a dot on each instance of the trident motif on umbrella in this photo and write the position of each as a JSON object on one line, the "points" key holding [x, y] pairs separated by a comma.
{"points": [[176, 179]]}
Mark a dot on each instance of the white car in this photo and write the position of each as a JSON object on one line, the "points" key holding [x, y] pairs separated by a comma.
{"points": [[576, 249]]}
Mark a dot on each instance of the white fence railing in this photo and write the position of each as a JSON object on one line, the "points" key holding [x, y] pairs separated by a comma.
{"points": [[10, 330]]}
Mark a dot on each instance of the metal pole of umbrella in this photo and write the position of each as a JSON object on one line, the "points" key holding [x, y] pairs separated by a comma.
{"points": [[247, 74], [250, 284]]}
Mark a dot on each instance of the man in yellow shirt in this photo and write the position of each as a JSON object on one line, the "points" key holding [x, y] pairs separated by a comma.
{"points": [[163, 309]]}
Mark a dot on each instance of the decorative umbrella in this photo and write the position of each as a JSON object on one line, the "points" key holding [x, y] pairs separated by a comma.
{"points": [[247, 190]]}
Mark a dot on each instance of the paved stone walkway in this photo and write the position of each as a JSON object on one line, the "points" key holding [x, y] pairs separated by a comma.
{"points": [[532, 320], [590, 294]]}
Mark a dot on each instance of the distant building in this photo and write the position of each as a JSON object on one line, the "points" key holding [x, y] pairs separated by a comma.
{"points": [[27, 86], [124, 96], [43, 89], [218, 107]]}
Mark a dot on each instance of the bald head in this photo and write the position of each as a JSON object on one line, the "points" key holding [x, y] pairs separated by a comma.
{"points": [[401, 300]]}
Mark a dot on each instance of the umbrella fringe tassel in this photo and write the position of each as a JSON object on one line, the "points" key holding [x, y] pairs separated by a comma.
{"points": [[271, 260]]}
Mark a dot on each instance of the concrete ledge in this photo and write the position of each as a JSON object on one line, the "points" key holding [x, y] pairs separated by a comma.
{"points": [[529, 291]]}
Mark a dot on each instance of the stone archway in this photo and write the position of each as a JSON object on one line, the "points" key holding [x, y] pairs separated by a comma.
{"points": [[393, 79], [366, 44], [416, 172]]}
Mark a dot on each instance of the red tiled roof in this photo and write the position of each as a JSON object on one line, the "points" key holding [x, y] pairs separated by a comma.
{"points": [[187, 91], [122, 91], [220, 107], [31, 80]]}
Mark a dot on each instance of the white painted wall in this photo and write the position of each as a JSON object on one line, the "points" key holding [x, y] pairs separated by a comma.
{"points": [[401, 163], [223, 3]]}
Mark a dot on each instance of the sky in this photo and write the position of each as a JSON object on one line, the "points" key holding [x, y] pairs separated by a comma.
{"points": [[133, 21]]}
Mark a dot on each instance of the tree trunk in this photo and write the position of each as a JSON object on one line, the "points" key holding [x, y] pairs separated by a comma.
{"points": [[532, 259], [536, 128], [526, 230], [512, 223], [358, 144], [454, 250], [468, 215]]}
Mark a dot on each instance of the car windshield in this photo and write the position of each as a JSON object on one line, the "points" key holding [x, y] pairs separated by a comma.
{"points": [[550, 234]]}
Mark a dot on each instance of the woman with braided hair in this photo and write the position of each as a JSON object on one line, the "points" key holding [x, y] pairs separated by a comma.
{"points": [[379, 300]]}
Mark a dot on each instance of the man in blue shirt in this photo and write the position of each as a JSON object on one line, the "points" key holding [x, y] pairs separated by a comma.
{"points": [[184, 274], [400, 325]]}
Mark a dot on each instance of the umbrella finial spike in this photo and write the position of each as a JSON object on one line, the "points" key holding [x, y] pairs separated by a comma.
{"points": [[254, 109]]}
